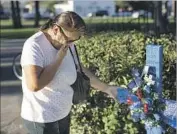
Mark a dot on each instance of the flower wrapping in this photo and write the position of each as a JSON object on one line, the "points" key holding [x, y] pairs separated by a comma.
{"points": [[144, 102]]}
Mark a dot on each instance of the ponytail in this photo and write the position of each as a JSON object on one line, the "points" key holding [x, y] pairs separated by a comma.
{"points": [[47, 25]]}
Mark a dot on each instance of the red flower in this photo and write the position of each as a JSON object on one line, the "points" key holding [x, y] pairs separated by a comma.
{"points": [[129, 101], [139, 94], [145, 107]]}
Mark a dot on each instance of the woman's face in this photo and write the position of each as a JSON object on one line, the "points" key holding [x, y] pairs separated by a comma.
{"points": [[70, 36], [66, 37]]}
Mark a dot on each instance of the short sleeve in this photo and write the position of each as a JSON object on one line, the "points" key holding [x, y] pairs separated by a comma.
{"points": [[32, 55]]}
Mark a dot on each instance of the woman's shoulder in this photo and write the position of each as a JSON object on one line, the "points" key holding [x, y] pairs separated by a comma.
{"points": [[35, 40]]}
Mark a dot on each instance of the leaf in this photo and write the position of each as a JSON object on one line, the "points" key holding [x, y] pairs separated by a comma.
{"points": [[125, 80]]}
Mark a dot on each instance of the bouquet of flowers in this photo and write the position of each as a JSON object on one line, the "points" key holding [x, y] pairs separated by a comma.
{"points": [[145, 103]]}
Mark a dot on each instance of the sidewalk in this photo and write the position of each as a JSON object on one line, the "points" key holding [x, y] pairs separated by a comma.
{"points": [[11, 98], [11, 92], [12, 42]]}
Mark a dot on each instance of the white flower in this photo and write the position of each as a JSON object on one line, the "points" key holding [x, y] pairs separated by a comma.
{"points": [[157, 117], [151, 82], [156, 96], [150, 77], [148, 80], [148, 123], [135, 89]]}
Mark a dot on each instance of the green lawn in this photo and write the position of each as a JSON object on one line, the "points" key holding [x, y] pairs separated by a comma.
{"points": [[7, 30], [26, 23], [8, 23], [17, 33]]}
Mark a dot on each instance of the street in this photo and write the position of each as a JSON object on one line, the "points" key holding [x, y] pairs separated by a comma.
{"points": [[11, 92]]}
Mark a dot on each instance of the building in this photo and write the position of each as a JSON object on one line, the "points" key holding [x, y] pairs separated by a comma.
{"points": [[86, 7]]}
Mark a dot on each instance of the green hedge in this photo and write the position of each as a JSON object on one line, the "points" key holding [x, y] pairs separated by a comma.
{"points": [[110, 56]]}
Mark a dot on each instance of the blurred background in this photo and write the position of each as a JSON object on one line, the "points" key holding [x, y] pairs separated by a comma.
{"points": [[123, 28], [147, 16]]}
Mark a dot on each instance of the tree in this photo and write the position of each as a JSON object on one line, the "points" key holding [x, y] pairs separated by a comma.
{"points": [[13, 14], [16, 18], [1, 8], [37, 14], [141, 5], [51, 6], [121, 4], [175, 4], [161, 21]]}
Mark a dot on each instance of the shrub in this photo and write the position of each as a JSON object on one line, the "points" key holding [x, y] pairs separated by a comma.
{"points": [[110, 56]]}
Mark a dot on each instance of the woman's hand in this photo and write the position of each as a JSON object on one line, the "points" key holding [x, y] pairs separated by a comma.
{"points": [[63, 50], [111, 91]]}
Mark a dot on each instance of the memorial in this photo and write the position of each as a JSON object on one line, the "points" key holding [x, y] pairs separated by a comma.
{"points": [[144, 94]]}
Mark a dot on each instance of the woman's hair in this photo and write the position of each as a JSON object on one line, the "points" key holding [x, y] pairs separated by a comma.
{"points": [[70, 21]]}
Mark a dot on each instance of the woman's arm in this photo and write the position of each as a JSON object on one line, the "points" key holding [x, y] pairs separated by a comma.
{"points": [[99, 85], [37, 77], [95, 82]]}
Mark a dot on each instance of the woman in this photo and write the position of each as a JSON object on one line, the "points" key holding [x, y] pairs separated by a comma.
{"points": [[48, 71]]}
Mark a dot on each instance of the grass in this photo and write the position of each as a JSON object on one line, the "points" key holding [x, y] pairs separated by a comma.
{"points": [[8, 32], [7, 24], [17, 33]]}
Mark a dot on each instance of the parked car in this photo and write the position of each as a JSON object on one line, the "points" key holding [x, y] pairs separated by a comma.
{"points": [[4, 14], [141, 13], [43, 15], [121, 14], [98, 13], [28, 16]]}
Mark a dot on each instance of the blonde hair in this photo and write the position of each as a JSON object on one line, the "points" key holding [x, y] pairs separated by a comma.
{"points": [[69, 21]]}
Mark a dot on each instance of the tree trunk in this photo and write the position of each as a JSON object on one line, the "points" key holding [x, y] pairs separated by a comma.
{"points": [[37, 14], [13, 14], [1, 8], [161, 22], [175, 10], [175, 16], [18, 17]]}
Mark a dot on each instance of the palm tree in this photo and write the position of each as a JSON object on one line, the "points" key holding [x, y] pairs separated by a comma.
{"points": [[18, 16], [13, 14], [37, 14], [161, 21], [16, 19]]}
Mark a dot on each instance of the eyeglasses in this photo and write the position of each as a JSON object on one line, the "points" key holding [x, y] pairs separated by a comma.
{"points": [[66, 37]]}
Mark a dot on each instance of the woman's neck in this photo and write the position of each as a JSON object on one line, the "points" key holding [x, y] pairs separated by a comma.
{"points": [[49, 35]]}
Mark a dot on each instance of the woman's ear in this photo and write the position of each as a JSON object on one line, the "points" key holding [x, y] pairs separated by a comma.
{"points": [[56, 29]]}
